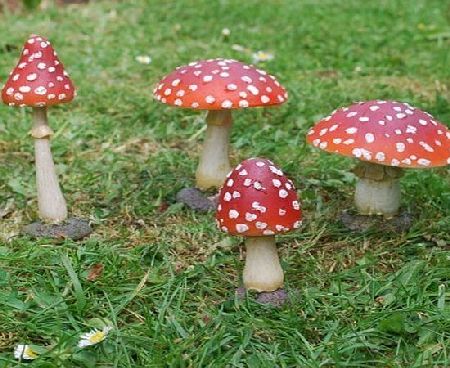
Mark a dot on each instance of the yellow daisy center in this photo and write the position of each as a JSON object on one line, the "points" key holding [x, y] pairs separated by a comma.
{"points": [[30, 353], [97, 337]]}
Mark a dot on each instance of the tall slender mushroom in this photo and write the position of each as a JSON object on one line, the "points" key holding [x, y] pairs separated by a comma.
{"points": [[258, 201], [386, 136], [39, 81], [219, 86]]}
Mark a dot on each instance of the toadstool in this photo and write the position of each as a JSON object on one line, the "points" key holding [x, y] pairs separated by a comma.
{"points": [[219, 86], [386, 136], [258, 201], [39, 81]]}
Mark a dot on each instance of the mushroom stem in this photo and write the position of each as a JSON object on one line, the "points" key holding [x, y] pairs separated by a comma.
{"points": [[214, 163], [262, 271], [378, 189], [51, 203]]}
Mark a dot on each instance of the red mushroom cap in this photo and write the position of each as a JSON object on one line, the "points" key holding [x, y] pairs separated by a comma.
{"points": [[217, 84], [384, 132], [39, 79], [258, 200]]}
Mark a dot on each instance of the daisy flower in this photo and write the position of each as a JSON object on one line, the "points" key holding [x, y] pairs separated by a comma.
{"points": [[93, 337], [143, 59], [25, 352], [261, 56]]}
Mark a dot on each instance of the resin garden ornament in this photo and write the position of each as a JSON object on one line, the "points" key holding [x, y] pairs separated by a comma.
{"points": [[257, 201], [218, 86], [387, 137], [40, 81]]}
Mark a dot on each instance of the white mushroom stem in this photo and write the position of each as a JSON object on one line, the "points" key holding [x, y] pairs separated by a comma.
{"points": [[214, 162], [51, 203], [378, 190], [262, 271]]}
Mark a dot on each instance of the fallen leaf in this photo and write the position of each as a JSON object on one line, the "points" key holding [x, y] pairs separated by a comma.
{"points": [[95, 272]]}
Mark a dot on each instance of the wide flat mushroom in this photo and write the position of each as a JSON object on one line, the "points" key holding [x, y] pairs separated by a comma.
{"points": [[39, 81], [386, 137], [218, 86], [257, 201]]}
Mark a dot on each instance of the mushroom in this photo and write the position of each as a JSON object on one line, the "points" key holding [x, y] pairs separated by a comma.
{"points": [[219, 86], [38, 81], [258, 201], [386, 136]]}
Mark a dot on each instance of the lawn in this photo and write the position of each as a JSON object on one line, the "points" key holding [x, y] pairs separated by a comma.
{"points": [[169, 276]]}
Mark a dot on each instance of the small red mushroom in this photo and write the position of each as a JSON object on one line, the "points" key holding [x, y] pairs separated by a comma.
{"points": [[219, 86], [385, 136], [38, 81], [258, 201]]}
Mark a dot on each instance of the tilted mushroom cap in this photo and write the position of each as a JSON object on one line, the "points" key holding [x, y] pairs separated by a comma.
{"points": [[39, 79], [257, 199], [384, 132], [217, 84]]}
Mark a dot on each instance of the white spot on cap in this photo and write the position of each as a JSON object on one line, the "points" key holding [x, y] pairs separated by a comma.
{"points": [[243, 172], [24, 89], [243, 103], [370, 138], [232, 214], [297, 224], [193, 87], [296, 205], [250, 216], [337, 140], [178, 102], [227, 197], [253, 90], [351, 113], [283, 193], [260, 164], [10, 91], [333, 127], [423, 122], [31, 77], [268, 232], [364, 118], [260, 225], [380, 156], [230, 182], [241, 228], [395, 162], [236, 194], [175, 82], [247, 182], [374, 107], [227, 104], [400, 147], [276, 183], [210, 99], [246, 79], [168, 91], [231, 87], [181, 93], [265, 99], [281, 212], [207, 78], [351, 130], [41, 66], [40, 90]]}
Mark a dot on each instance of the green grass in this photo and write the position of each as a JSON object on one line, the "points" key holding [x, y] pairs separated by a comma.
{"points": [[365, 300]]}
